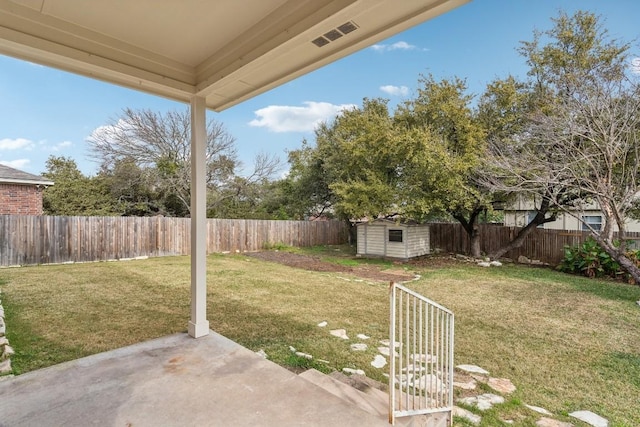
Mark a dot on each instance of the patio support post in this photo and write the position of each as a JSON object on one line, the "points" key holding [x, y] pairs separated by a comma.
{"points": [[198, 325]]}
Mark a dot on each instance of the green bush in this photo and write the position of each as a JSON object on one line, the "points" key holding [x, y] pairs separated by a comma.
{"points": [[590, 260]]}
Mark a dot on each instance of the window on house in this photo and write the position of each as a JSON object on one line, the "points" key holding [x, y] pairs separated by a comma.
{"points": [[595, 221], [395, 235]]}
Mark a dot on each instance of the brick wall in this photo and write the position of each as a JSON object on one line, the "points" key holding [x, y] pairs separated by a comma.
{"points": [[18, 199]]}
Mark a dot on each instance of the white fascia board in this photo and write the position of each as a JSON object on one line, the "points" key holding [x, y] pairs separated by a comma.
{"points": [[25, 182]]}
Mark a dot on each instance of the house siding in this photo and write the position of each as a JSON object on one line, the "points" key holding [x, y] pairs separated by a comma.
{"points": [[563, 222], [16, 199], [516, 215]]}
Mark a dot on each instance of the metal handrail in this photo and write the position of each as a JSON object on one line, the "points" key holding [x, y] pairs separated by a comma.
{"points": [[421, 370]]}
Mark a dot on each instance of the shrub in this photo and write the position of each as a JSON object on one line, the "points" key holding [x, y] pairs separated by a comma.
{"points": [[590, 260]]}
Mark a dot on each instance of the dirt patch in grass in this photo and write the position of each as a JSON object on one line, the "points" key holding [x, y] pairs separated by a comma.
{"points": [[311, 263], [434, 262]]}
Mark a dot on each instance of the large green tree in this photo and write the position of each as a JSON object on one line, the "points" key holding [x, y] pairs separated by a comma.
{"points": [[456, 145], [581, 139], [131, 189], [305, 190], [73, 192], [415, 164]]}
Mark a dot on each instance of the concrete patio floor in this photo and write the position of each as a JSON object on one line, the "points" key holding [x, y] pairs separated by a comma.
{"points": [[173, 381]]}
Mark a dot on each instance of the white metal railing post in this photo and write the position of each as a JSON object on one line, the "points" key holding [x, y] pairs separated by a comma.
{"points": [[451, 335], [392, 359], [421, 374]]}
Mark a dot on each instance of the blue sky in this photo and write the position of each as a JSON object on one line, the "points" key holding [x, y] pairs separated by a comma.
{"points": [[46, 112]]}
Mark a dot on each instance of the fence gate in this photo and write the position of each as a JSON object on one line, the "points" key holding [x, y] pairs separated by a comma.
{"points": [[421, 373]]}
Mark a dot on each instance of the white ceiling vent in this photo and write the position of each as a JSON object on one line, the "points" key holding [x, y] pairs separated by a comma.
{"points": [[335, 34]]}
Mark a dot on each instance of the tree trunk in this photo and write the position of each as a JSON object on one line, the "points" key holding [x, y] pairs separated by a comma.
{"points": [[352, 234], [474, 241], [472, 229], [626, 264], [516, 242]]}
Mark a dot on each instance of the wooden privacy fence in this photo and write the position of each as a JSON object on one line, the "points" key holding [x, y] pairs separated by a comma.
{"points": [[544, 245], [28, 240]]}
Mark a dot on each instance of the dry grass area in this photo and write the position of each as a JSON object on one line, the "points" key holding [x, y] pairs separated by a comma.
{"points": [[567, 343]]}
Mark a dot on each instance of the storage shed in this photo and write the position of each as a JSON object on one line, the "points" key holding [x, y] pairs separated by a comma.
{"points": [[390, 239]]}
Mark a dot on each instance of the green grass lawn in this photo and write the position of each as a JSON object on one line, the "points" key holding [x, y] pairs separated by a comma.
{"points": [[567, 343]]}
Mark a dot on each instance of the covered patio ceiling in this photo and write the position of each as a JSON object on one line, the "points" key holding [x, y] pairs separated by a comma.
{"points": [[209, 53], [225, 51]]}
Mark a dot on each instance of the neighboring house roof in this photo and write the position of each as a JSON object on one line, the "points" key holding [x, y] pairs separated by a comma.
{"points": [[10, 175]]}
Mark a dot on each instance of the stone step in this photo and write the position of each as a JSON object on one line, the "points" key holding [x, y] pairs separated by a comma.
{"points": [[374, 401], [366, 395]]}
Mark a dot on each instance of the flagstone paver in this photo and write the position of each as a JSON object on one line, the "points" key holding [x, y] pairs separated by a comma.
{"points": [[353, 371], [304, 355], [590, 418], [467, 415], [550, 422], [423, 358], [473, 369], [379, 361], [465, 385], [386, 351], [483, 401], [538, 409], [414, 368], [501, 385], [340, 333]]}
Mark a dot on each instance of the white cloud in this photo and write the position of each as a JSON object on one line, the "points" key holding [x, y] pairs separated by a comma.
{"points": [[45, 145], [635, 65], [15, 144], [16, 164], [111, 132], [395, 90], [401, 45], [61, 145], [286, 118]]}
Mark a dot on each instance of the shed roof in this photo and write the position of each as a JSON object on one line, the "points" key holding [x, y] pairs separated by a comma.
{"points": [[225, 50], [388, 221], [9, 175]]}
